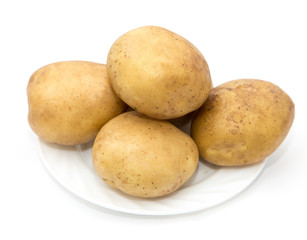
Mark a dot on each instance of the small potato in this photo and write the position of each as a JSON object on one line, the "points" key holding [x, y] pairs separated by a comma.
{"points": [[242, 122], [158, 73], [144, 157], [70, 101]]}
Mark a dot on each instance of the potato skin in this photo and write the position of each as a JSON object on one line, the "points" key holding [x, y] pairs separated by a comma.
{"points": [[242, 122], [70, 101], [144, 157], [158, 72]]}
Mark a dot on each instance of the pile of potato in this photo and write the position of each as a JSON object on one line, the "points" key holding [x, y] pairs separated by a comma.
{"points": [[165, 81]]}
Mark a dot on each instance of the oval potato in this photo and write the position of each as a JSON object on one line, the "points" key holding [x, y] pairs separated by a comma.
{"points": [[242, 122], [70, 101], [144, 157], [158, 73]]}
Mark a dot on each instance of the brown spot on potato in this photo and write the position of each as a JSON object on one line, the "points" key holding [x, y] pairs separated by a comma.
{"points": [[233, 131]]}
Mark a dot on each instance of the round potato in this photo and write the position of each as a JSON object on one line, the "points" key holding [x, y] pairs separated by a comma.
{"points": [[158, 72], [144, 157], [70, 101], [242, 122]]}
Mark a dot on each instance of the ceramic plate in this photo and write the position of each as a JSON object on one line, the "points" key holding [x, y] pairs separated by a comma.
{"points": [[209, 186]]}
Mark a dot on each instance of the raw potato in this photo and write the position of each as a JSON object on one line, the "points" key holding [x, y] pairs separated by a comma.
{"points": [[70, 101], [144, 157], [242, 122], [158, 72]]}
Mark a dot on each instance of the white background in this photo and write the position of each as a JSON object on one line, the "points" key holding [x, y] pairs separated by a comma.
{"points": [[239, 39]]}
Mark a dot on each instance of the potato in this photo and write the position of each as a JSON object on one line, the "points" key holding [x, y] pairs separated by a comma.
{"points": [[158, 72], [242, 122], [70, 101], [144, 157]]}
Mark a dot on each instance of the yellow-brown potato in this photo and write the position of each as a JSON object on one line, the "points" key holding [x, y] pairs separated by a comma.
{"points": [[144, 157], [158, 72], [242, 122], [70, 101]]}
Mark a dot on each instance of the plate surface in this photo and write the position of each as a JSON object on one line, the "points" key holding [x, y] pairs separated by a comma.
{"points": [[209, 186]]}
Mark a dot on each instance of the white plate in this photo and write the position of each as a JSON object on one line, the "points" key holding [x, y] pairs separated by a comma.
{"points": [[209, 186]]}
